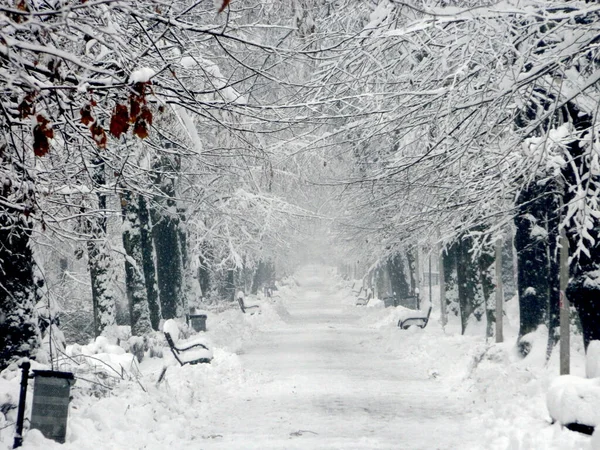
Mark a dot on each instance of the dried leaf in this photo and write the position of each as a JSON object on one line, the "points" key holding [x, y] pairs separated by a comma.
{"points": [[41, 145], [22, 5], [140, 88], [86, 114], [119, 121], [223, 6], [140, 129], [42, 132], [99, 135], [146, 114], [134, 108]]}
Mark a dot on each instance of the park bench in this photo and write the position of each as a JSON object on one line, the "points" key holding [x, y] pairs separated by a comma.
{"points": [[240, 299], [185, 352], [419, 319], [364, 295]]}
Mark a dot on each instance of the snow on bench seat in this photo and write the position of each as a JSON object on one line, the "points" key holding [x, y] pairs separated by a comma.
{"points": [[573, 400], [191, 351]]}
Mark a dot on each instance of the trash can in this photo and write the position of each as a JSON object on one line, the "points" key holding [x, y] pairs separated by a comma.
{"points": [[389, 301], [198, 322], [50, 409]]}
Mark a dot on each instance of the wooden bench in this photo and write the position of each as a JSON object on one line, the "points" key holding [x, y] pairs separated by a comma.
{"points": [[240, 299], [418, 320]]}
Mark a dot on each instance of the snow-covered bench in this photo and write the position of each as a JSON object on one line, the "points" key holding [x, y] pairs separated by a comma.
{"points": [[364, 295], [240, 299], [417, 318], [192, 351], [573, 401]]}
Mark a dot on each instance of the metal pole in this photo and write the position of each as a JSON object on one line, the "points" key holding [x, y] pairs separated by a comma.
{"points": [[430, 283], [499, 293], [443, 313], [21, 411], [418, 275], [564, 305]]}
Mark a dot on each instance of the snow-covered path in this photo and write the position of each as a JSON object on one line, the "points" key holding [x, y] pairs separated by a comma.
{"points": [[313, 371], [332, 386]]}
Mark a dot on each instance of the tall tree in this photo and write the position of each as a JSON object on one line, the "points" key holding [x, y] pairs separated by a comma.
{"points": [[135, 282], [19, 333], [99, 252]]}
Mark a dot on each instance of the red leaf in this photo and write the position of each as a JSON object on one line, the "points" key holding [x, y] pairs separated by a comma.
{"points": [[86, 114], [99, 135], [41, 146], [119, 121], [223, 6], [41, 133], [22, 5], [140, 87], [134, 108], [140, 129], [146, 114]]}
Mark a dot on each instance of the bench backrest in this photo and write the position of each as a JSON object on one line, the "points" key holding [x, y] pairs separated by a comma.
{"points": [[241, 303], [172, 328], [428, 314]]}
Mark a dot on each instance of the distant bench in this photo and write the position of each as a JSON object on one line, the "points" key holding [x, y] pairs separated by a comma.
{"points": [[363, 296], [240, 299], [419, 319]]}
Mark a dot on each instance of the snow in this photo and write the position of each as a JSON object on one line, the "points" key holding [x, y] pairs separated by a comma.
{"points": [[573, 399], [171, 327], [188, 62], [142, 75], [592, 360], [312, 370]]}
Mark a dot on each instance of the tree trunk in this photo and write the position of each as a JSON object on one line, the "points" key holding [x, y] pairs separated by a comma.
{"points": [[411, 257], [260, 277], [19, 333], [553, 223], [442, 282], [499, 293], [399, 283], [204, 272], [99, 257], [536, 253], [169, 267], [148, 258], [166, 236], [467, 281], [134, 262], [449, 257], [583, 290], [486, 277]]}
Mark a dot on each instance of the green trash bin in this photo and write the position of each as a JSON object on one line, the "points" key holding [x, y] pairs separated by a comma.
{"points": [[50, 409]]}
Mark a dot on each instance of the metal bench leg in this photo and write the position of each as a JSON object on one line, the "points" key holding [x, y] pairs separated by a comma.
{"points": [[163, 372]]}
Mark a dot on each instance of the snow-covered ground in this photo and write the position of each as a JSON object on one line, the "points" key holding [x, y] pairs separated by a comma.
{"points": [[313, 371]]}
